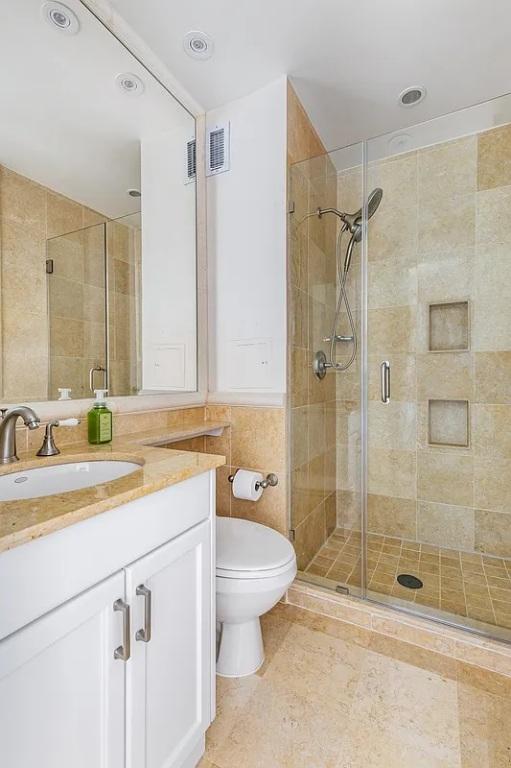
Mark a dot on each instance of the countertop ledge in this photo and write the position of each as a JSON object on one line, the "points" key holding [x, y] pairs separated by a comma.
{"points": [[23, 520]]}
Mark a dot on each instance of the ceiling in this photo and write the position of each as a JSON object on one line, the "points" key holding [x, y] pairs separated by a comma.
{"points": [[65, 122], [348, 60]]}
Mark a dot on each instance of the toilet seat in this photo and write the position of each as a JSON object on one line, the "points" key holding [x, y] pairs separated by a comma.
{"points": [[247, 550]]}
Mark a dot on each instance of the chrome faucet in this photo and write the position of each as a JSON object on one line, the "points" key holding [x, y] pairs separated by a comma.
{"points": [[8, 431]]}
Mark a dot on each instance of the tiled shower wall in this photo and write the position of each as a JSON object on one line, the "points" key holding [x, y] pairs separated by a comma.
{"points": [[440, 312], [311, 303], [30, 215]]}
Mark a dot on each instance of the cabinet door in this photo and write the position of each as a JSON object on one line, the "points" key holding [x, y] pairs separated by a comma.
{"points": [[62, 692], [169, 675]]}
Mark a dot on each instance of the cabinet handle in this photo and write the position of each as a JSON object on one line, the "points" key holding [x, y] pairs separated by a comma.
{"points": [[123, 652], [145, 634], [385, 381]]}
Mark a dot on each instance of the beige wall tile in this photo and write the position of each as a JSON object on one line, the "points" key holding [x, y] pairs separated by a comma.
{"points": [[491, 431], [302, 140], [390, 516], [492, 223], [391, 330], [494, 158], [445, 275], [447, 170], [299, 431], [393, 425], [491, 328], [22, 201], [493, 533], [68, 253], [492, 483], [402, 373], [391, 283], [446, 525], [492, 377], [446, 223], [67, 337], [445, 478], [444, 376], [258, 442], [310, 535], [392, 473], [269, 510], [62, 215]]}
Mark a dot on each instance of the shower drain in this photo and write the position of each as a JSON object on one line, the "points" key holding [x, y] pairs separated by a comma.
{"points": [[412, 582]]}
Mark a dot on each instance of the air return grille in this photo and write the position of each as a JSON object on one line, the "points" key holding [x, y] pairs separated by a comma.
{"points": [[191, 160], [217, 149]]}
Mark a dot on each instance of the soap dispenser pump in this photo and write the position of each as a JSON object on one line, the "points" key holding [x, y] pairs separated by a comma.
{"points": [[99, 419]]}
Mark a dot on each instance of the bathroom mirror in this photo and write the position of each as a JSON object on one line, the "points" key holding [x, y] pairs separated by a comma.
{"points": [[97, 214]]}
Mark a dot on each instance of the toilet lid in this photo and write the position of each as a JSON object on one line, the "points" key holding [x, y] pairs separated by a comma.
{"points": [[245, 546]]}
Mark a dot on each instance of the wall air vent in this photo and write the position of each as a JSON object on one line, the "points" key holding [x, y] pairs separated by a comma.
{"points": [[191, 160], [217, 149]]}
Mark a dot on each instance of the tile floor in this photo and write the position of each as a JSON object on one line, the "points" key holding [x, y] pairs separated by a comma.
{"points": [[333, 695], [466, 584]]}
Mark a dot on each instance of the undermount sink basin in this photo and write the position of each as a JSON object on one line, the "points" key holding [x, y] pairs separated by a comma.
{"points": [[60, 478]]}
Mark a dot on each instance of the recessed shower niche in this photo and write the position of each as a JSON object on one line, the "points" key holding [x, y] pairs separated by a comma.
{"points": [[449, 327], [448, 423]]}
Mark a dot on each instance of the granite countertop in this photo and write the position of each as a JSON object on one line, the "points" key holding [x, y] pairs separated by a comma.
{"points": [[27, 519]]}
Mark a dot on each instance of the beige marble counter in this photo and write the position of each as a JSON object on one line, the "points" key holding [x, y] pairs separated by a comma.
{"points": [[27, 519]]}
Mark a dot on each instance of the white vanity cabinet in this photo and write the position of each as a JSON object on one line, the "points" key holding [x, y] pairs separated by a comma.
{"points": [[120, 675], [167, 690], [61, 690]]}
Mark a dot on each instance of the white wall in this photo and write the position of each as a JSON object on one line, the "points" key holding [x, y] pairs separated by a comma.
{"points": [[247, 251], [169, 267]]}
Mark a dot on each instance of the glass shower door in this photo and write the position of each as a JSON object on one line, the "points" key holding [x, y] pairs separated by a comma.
{"points": [[437, 517], [75, 266]]}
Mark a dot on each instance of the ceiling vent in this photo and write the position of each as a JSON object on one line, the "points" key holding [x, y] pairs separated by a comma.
{"points": [[218, 149], [191, 160]]}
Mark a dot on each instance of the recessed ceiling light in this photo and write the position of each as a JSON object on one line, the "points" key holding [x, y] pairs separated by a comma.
{"points": [[198, 45], [60, 17], [412, 96], [130, 83], [134, 193]]}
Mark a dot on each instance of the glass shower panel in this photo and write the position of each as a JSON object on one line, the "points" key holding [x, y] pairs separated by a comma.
{"points": [[76, 265], [438, 312], [123, 248], [324, 412]]}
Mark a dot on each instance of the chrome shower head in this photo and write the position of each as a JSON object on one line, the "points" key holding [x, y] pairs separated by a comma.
{"points": [[352, 221]]}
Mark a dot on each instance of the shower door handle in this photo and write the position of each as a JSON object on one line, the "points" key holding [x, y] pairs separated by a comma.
{"points": [[385, 381]]}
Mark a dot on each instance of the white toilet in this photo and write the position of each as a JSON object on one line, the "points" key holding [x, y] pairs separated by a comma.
{"points": [[254, 567]]}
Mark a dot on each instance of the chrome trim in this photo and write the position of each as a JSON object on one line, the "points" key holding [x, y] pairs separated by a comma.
{"points": [[145, 634], [385, 381], [123, 652]]}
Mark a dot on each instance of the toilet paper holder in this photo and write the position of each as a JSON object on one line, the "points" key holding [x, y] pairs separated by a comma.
{"points": [[270, 479]]}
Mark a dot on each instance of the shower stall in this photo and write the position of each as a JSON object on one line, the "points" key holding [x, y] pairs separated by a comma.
{"points": [[400, 369]]}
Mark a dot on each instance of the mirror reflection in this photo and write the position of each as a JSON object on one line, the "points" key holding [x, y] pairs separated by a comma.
{"points": [[97, 215]]}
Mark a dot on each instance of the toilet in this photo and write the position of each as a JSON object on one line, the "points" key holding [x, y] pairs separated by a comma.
{"points": [[254, 567]]}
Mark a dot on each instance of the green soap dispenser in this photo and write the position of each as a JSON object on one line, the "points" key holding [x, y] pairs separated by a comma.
{"points": [[99, 420]]}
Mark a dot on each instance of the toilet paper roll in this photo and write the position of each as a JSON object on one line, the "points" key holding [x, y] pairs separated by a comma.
{"points": [[244, 485]]}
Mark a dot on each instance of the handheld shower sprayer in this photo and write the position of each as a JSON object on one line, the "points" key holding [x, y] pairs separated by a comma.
{"points": [[352, 223]]}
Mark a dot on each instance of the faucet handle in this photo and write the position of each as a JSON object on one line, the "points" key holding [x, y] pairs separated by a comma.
{"points": [[3, 411], [48, 448]]}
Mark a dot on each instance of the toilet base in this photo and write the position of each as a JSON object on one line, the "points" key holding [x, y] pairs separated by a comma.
{"points": [[241, 650]]}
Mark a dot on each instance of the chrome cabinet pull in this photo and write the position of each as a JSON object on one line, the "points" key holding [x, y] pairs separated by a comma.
{"points": [[145, 634], [123, 652], [385, 381]]}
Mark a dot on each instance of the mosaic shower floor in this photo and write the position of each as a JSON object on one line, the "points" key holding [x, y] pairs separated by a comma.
{"points": [[466, 584]]}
